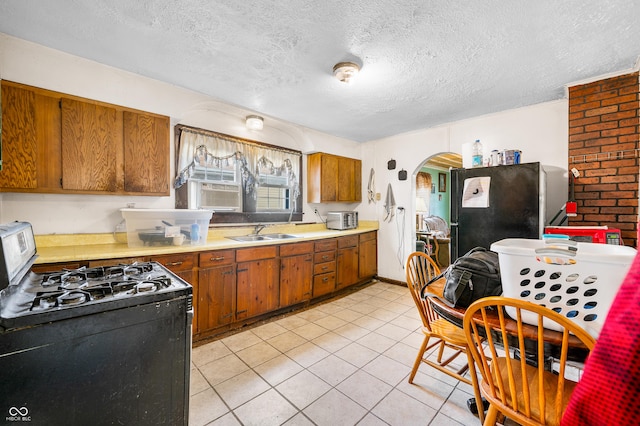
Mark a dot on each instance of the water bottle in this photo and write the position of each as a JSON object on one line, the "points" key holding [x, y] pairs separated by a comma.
{"points": [[476, 160]]}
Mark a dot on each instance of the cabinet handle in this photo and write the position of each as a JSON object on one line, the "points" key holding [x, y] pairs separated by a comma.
{"points": [[325, 279], [227, 273], [242, 270], [227, 316], [215, 259], [241, 312], [324, 268], [325, 257], [174, 263]]}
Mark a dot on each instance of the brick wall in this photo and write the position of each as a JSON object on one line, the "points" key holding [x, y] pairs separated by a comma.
{"points": [[604, 134]]}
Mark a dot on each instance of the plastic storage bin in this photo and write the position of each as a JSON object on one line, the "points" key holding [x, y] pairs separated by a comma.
{"points": [[577, 280], [163, 227]]}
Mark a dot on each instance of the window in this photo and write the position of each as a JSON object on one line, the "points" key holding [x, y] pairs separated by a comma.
{"points": [[266, 177]]}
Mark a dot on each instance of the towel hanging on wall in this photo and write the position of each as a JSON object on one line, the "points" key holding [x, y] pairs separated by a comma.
{"points": [[389, 204], [371, 188]]}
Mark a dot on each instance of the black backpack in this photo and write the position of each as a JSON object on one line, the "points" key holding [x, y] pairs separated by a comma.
{"points": [[471, 277]]}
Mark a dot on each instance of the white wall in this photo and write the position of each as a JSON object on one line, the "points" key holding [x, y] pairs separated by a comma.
{"points": [[540, 131]]}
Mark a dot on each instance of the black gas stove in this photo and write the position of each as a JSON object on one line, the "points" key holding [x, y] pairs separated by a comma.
{"points": [[103, 345], [71, 293]]}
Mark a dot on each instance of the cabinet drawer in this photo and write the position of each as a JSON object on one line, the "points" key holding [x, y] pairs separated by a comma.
{"points": [[324, 284], [256, 253], [326, 256], [295, 249], [325, 245], [217, 258], [367, 236], [323, 268], [350, 241], [177, 262], [113, 262]]}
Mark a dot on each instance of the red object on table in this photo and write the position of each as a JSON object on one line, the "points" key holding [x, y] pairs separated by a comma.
{"points": [[609, 391]]}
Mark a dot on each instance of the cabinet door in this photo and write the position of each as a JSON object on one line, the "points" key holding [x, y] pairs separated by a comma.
{"points": [[146, 153], [257, 287], [347, 267], [296, 274], [329, 178], [216, 297], [349, 179], [91, 147], [368, 259], [19, 138]]}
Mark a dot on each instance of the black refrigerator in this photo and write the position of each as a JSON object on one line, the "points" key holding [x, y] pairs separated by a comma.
{"points": [[489, 204]]}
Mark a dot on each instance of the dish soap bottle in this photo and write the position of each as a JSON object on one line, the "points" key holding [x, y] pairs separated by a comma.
{"points": [[476, 159], [195, 233]]}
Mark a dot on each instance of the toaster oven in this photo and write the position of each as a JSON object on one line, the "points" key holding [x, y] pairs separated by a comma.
{"points": [[342, 220]]}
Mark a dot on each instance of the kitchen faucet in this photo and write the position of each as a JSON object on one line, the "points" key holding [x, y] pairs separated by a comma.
{"points": [[259, 227]]}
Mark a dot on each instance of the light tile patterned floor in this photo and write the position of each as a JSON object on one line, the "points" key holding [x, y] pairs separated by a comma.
{"points": [[344, 362]]}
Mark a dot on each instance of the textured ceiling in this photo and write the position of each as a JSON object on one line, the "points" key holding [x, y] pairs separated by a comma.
{"points": [[424, 62]]}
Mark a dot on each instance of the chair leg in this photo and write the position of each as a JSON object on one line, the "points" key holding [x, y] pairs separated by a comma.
{"points": [[476, 386], [492, 415], [441, 352], [416, 364]]}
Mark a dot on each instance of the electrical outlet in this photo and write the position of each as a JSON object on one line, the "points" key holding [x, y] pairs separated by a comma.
{"points": [[315, 211]]}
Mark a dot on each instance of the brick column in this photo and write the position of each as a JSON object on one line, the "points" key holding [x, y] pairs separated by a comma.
{"points": [[604, 131]]}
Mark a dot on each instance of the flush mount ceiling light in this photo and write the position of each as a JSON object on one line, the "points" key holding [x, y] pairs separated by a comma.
{"points": [[345, 71], [254, 122]]}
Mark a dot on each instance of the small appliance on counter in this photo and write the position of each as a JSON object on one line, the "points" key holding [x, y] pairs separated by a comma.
{"points": [[588, 234], [342, 220]]}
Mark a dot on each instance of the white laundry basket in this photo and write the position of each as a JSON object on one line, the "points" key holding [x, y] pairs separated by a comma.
{"points": [[577, 280]]}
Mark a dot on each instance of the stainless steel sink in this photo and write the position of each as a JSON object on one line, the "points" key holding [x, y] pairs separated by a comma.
{"points": [[246, 238], [254, 237], [278, 236]]}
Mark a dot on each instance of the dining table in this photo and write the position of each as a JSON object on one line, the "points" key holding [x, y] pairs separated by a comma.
{"points": [[434, 295]]}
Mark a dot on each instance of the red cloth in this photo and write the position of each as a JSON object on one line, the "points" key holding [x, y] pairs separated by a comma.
{"points": [[609, 390]]}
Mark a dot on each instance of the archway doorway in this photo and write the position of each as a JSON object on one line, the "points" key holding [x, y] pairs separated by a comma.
{"points": [[432, 204], [432, 186]]}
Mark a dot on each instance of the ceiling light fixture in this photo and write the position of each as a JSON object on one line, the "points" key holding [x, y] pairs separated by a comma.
{"points": [[345, 71], [254, 122]]}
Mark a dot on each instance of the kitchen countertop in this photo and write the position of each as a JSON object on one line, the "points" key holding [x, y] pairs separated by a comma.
{"points": [[56, 248]]}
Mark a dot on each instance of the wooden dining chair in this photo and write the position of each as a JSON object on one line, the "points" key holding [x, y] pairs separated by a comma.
{"points": [[420, 268], [519, 387]]}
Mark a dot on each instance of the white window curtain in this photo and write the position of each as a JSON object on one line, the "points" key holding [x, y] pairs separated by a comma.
{"points": [[198, 148]]}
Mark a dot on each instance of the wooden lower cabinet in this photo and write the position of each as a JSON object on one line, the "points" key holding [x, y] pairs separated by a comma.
{"points": [[296, 273], [368, 256], [347, 262], [324, 267], [257, 281], [216, 295]]}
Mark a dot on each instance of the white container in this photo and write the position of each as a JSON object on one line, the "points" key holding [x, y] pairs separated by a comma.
{"points": [[579, 283], [158, 227]]}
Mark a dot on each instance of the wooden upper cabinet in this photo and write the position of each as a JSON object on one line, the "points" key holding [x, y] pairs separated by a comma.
{"points": [[30, 139], [19, 138], [349, 179], [57, 143], [146, 151], [331, 178], [91, 146]]}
